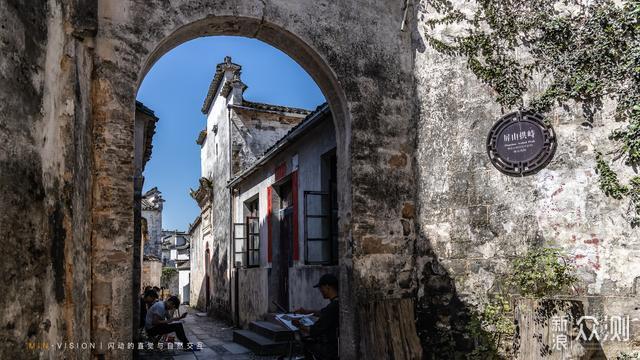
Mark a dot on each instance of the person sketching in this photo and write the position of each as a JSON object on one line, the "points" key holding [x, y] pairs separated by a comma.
{"points": [[321, 339]]}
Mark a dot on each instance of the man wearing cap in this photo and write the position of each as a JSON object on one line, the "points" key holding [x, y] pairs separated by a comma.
{"points": [[323, 334], [158, 321]]}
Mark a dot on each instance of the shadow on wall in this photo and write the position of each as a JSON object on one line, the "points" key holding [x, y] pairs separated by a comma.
{"points": [[447, 325], [220, 306], [201, 302]]}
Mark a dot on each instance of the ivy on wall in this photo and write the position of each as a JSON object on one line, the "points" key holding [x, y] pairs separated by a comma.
{"points": [[587, 50]]}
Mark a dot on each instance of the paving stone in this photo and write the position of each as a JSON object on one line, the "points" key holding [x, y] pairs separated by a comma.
{"points": [[235, 348]]}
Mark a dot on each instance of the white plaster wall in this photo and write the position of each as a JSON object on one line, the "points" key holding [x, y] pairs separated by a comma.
{"points": [[217, 115], [238, 217], [183, 285], [196, 261], [308, 150]]}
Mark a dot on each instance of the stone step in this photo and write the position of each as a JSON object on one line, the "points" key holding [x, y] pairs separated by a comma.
{"points": [[259, 344], [271, 330]]}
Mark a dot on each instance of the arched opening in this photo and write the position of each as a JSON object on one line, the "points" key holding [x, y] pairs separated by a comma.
{"points": [[284, 184]]}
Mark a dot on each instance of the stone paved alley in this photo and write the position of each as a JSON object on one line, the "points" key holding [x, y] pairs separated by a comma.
{"points": [[216, 339]]}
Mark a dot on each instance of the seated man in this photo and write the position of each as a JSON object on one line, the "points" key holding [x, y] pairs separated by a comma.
{"points": [[323, 334], [147, 299], [158, 321]]}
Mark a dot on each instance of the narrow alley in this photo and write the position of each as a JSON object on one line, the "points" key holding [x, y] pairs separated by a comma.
{"points": [[214, 337]]}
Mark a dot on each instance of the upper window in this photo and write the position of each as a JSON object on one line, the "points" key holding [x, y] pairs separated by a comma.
{"points": [[246, 236], [321, 217]]}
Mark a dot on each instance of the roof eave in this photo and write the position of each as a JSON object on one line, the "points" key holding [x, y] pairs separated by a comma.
{"points": [[286, 140]]}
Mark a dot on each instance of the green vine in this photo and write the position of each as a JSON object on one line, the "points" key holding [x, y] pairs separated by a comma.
{"points": [[541, 273], [588, 53], [609, 182]]}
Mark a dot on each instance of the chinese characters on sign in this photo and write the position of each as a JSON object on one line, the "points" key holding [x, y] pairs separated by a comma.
{"points": [[588, 328], [114, 346], [521, 144], [522, 135]]}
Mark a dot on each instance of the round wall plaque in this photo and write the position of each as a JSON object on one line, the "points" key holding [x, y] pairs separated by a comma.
{"points": [[521, 144]]}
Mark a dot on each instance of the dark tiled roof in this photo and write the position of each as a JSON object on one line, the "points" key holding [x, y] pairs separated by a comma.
{"points": [[270, 107], [146, 202], [150, 130], [201, 137], [142, 108]]}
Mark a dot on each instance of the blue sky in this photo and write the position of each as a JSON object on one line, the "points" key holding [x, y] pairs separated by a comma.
{"points": [[175, 89]]}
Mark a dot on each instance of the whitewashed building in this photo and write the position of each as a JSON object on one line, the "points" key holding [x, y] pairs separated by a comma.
{"points": [[176, 253], [284, 210], [237, 133], [152, 204]]}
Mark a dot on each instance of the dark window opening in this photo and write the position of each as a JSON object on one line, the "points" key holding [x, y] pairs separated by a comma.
{"points": [[321, 216]]}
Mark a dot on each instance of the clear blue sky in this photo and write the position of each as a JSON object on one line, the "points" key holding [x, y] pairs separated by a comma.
{"points": [[175, 89]]}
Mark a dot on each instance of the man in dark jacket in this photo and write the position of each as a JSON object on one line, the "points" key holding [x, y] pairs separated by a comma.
{"points": [[322, 340]]}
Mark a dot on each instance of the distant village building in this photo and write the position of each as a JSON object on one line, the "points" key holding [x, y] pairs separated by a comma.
{"points": [[237, 133], [175, 254], [148, 207], [152, 203], [175, 248], [254, 242]]}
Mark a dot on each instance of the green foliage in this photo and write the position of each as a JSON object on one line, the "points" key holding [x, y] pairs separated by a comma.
{"points": [[612, 187], [489, 327], [609, 183], [167, 274], [542, 272], [587, 52], [635, 200]]}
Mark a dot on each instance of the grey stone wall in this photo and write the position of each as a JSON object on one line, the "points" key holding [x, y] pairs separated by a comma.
{"points": [[44, 178], [153, 246], [151, 273], [473, 220]]}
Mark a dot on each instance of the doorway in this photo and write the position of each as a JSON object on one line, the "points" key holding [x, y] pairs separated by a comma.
{"points": [[285, 218]]}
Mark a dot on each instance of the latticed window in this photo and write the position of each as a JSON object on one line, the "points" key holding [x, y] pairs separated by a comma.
{"points": [[319, 230], [246, 238]]}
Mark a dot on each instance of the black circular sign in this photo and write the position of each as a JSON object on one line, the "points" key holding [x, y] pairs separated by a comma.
{"points": [[521, 144]]}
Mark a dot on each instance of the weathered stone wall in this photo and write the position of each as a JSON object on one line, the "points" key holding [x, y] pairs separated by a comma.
{"points": [[473, 220], [153, 246], [44, 178], [365, 74], [151, 273], [253, 299], [354, 50]]}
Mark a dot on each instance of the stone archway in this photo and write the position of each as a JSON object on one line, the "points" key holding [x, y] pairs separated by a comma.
{"points": [[362, 81]]}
